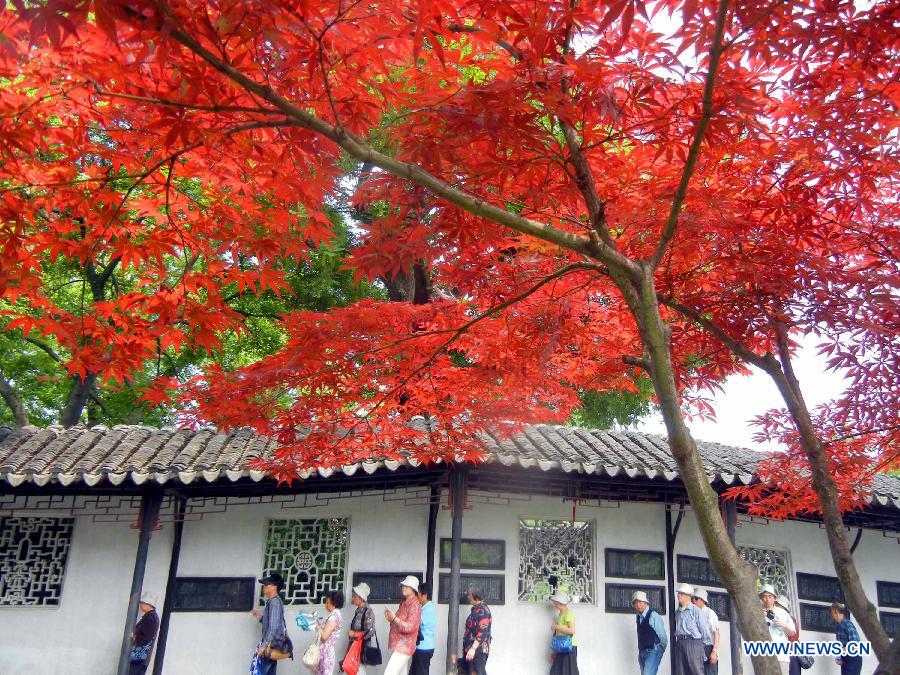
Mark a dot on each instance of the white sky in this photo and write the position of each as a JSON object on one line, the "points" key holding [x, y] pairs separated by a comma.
{"points": [[746, 397]]}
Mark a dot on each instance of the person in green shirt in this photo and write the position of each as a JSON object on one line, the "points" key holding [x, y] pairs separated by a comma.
{"points": [[565, 651]]}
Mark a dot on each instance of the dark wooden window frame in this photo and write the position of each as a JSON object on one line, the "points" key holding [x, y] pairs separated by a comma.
{"points": [[693, 580], [466, 580], [884, 588], [803, 593], [824, 611], [656, 554], [894, 619], [445, 560], [374, 598], [249, 590], [659, 607]]}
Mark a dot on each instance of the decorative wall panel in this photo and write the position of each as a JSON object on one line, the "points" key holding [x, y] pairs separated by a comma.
{"points": [[888, 593], [493, 585], [556, 554], [891, 623], [697, 571], [311, 555], [384, 587], [720, 603], [479, 554], [635, 564], [816, 618], [819, 588], [33, 555], [618, 597], [214, 594]]}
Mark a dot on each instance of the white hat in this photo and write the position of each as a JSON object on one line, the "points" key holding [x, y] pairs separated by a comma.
{"points": [[783, 601], [411, 582], [150, 599], [639, 595], [561, 598], [362, 590], [687, 589], [767, 588], [701, 593]]}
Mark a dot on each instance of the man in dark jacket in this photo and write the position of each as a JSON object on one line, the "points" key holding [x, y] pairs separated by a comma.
{"points": [[272, 620], [144, 635]]}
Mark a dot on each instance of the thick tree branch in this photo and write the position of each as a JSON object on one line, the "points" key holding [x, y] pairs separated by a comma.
{"points": [[9, 394], [359, 149], [715, 55]]}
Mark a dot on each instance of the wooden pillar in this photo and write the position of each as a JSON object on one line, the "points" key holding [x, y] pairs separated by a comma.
{"points": [[434, 505], [671, 535], [734, 633], [150, 504], [458, 496], [166, 615]]}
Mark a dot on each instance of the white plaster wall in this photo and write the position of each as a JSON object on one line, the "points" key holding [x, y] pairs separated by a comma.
{"points": [[84, 633]]}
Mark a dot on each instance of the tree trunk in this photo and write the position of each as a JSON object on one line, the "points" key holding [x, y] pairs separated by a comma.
{"points": [[738, 576], [8, 392], [827, 493], [78, 396]]}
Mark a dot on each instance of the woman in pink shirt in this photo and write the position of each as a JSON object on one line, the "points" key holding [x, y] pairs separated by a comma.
{"points": [[404, 628]]}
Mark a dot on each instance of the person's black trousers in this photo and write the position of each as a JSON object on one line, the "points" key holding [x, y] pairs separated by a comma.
{"points": [[421, 662], [476, 666], [851, 665], [689, 657]]}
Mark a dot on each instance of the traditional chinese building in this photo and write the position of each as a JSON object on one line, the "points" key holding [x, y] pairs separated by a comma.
{"points": [[89, 517]]}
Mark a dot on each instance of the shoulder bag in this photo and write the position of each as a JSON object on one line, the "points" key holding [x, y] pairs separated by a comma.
{"points": [[371, 656], [313, 654]]}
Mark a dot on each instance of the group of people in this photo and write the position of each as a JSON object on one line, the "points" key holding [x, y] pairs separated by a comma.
{"points": [[411, 639], [413, 626], [696, 639]]}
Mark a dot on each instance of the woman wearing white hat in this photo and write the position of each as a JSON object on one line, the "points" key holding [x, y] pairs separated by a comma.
{"points": [[363, 626], [404, 628], [565, 649], [144, 635]]}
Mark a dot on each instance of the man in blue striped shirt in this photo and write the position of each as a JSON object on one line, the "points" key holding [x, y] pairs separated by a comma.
{"points": [[690, 626]]}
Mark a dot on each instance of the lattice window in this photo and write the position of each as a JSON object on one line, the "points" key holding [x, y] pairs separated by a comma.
{"points": [[311, 555], [773, 565], [33, 554], [556, 554]]}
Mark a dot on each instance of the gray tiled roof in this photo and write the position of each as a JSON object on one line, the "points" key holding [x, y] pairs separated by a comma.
{"points": [[66, 456]]}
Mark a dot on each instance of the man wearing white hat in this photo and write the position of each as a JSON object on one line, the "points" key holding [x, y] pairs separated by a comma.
{"points": [[711, 635], [780, 623], [144, 635], [690, 625], [404, 628], [651, 634]]}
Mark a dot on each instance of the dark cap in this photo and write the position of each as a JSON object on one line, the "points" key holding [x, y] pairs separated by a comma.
{"points": [[274, 579]]}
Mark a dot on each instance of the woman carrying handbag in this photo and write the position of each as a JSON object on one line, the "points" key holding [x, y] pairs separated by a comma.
{"points": [[565, 651], [362, 627]]}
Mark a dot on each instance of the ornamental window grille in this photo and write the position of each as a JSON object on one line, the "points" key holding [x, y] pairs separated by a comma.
{"points": [[33, 555], [773, 567], [556, 555], [311, 555]]}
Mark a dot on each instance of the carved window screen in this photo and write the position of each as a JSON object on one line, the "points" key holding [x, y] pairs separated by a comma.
{"points": [[311, 555], [556, 555], [33, 556], [774, 567]]}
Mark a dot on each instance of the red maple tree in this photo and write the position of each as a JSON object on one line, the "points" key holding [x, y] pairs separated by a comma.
{"points": [[590, 190]]}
